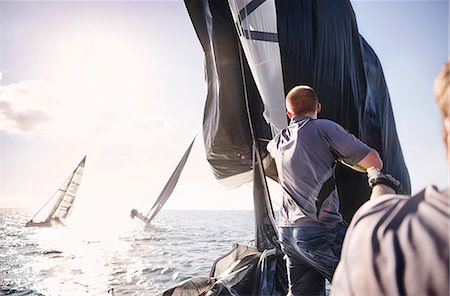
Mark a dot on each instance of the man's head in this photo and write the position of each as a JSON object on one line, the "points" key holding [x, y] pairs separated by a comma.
{"points": [[302, 100], [442, 94]]}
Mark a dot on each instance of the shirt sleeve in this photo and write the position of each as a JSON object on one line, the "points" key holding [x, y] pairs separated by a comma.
{"points": [[396, 245], [343, 143]]}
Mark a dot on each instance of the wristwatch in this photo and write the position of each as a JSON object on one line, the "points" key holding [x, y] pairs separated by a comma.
{"points": [[376, 177]]}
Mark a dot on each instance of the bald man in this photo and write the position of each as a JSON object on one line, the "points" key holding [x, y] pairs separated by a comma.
{"points": [[311, 229]]}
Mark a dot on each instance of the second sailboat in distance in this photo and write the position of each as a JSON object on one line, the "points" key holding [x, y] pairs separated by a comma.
{"points": [[166, 192]]}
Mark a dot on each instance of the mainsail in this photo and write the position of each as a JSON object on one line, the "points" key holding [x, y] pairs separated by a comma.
{"points": [[60, 204], [255, 52], [166, 192]]}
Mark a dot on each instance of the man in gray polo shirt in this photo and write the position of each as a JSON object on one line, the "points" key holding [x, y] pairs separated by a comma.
{"points": [[398, 244], [311, 229]]}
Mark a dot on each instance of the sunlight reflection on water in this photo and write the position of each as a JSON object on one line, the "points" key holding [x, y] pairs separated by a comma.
{"points": [[90, 257]]}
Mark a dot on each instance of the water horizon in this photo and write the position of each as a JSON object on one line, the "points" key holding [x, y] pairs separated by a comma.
{"points": [[127, 256]]}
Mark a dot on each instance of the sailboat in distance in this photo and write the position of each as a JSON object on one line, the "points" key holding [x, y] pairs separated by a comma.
{"points": [[60, 205], [166, 192]]}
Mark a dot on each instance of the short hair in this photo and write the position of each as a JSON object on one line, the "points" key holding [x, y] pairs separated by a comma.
{"points": [[301, 100], [442, 90]]}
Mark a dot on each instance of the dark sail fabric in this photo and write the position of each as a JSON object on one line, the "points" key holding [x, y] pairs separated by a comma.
{"points": [[226, 131], [317, 43], [320, 46], [266, 236], [242, 271]]}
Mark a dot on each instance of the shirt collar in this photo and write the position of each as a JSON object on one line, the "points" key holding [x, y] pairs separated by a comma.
{"points": [[298, 118]]}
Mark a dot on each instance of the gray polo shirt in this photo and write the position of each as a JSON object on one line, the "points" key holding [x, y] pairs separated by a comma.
{"points": [[397, 245], [305, 154]]}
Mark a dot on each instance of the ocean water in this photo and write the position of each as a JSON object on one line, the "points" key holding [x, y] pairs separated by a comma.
{"points": [[133, 259]]}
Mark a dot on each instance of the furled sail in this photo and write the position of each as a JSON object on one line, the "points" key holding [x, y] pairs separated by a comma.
{"points": [[167, 190], [60, 204]]}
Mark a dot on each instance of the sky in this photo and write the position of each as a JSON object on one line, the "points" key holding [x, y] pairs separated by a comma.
{"points": [[123, 83]]}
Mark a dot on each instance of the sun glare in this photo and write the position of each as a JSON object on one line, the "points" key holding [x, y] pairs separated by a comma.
{"points": [[101, 74]]}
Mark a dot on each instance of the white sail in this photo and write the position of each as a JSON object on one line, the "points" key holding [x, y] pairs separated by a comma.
{"points": [[167, 190], [256, 25], [60, 204]]}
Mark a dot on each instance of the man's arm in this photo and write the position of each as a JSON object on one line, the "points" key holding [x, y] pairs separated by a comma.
{"points": [[372, 159], [372, 164], [351, 151]]}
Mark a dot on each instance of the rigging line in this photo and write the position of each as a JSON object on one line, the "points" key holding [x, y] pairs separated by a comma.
{"points": [[273, 201], [247, 105], [60, 199], [77, 171], [255, 142], [51, 198]]}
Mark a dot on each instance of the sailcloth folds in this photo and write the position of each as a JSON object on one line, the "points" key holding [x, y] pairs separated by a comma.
{"points": [[260, 49], [255, 52]]}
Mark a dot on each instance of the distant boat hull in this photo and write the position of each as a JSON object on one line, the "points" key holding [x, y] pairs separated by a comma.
{"points": [[135, 213], [48, 223]]}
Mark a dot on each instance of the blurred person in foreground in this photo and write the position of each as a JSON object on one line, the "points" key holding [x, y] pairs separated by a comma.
{"points": [[398, 244]]}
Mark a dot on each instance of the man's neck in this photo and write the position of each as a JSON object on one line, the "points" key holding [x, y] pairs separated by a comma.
{"points": [[313, 115]]}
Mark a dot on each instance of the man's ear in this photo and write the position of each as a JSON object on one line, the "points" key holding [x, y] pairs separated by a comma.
{"points": [[319, 107], [289, 114]]}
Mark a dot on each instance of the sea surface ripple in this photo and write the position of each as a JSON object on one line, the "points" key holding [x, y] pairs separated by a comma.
{"points": [[129, 257]]}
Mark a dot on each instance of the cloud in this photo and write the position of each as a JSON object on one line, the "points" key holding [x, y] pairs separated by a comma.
{"points": [[61, 110], [24, 121], [24, 106]]}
